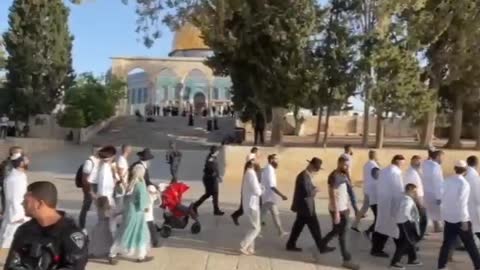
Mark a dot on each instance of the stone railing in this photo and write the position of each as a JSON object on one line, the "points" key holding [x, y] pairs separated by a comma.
{"points": [[85, 134]]}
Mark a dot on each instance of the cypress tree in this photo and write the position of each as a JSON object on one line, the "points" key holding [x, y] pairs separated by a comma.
{"points": [[39, 66]]}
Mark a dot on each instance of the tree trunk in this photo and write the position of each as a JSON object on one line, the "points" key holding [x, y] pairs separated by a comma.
{"points": [[327, 123], [379, 136], [319, 125], [366, 108], [277, 125], [456, 125], [477, 146], [430, 118]]}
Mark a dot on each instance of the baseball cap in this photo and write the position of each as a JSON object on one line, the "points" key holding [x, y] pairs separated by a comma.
{"points": [[460, 164]]}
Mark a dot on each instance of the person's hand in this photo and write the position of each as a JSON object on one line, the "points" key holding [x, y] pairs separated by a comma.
{"points": [[284, 198], [336, 218], [464, 226], [439, 202]]}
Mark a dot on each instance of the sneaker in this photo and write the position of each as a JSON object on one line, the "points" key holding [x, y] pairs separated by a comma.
{"points": [[381, 254], [244, 251], [355, 229], [294, 249], [85, 232], [326, 249], [235, 220], [397, 266], [415, 263], [146, 259], [350, 265]]}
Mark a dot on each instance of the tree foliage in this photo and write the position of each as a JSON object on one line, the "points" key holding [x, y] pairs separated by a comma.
{"points": [[39, 64], [96, 99]]}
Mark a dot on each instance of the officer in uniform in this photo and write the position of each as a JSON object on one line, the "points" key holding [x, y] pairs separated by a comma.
{"points": [[50, 240]]}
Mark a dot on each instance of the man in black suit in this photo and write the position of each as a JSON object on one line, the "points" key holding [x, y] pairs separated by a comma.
{"points": [[304, 205]]}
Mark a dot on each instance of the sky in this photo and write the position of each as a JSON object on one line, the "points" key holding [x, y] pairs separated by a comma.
{"points": [[102, 29]]}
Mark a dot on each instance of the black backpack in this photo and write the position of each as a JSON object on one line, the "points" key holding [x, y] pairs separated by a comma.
{"points": [[79, 176]]}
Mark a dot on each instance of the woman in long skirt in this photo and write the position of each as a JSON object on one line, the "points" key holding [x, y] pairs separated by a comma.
{"points": [[133, 238]]}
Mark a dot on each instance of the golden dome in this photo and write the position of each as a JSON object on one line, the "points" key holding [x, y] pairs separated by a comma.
{"points": [[188, 37]]}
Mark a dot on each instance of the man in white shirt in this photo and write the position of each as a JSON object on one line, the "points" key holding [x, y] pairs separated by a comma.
{"points": [[348, 156], [252, 155], [473, 180], [455, 214], [89, 185], [390, 192], [432, 186], [3, 126], [368, 188], [271, 193], [339, 210], [413, 175], [122, 163], [15, 186]]}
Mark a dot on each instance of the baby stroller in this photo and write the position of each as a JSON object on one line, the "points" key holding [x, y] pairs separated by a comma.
{"points": [[176, 215]]}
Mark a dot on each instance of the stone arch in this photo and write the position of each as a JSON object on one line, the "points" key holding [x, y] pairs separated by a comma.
{"points": [[166, 86], [196, 81]]}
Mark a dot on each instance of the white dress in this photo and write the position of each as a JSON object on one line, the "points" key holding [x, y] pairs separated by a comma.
{"points": [[473, 180], [390, 193], [15, 186]]}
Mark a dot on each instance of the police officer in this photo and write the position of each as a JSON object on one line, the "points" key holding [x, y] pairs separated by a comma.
{"points": [[50, 240], [174, 158]]}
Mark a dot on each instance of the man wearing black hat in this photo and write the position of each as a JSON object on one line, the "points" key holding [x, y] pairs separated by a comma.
{"points": [[211, 179], [304, 205], [144, 159]]}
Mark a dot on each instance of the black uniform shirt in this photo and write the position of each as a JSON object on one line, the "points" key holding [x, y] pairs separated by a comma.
{"points": [[61, 246]]}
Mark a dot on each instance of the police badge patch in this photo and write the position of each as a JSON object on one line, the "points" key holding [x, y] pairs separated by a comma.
{"points": [[79, 239]]}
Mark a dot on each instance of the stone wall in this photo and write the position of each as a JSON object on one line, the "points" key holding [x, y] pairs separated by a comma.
{"points": [[292, 160], [46, 126], [30, 145]]}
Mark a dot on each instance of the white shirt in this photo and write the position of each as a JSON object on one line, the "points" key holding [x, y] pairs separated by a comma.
{"points": [[473, 180], [339, 184], [251, 191], [432, 179], [269, 181], [370, 184], [455, 199], [4, 121], [106, 181], [122, 164], [407, 211], [15, 186], [251, 156], [412, 176], [90, 167], [153, 197]]}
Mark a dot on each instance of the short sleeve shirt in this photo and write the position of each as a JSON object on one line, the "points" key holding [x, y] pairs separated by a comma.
{"points": [[90, 168], [269, 181], [339, 182]]}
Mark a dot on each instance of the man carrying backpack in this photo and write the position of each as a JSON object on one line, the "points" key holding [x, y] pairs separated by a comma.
{"points": [[86, 179]]}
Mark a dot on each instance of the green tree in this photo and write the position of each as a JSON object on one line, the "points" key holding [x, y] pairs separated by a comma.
{"points": [[3, 57], [398, 89], [39, 65], [336, 51], [96, 98], [72, 117]]}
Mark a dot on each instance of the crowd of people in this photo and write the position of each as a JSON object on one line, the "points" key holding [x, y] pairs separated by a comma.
{"points": [[402, 200]]}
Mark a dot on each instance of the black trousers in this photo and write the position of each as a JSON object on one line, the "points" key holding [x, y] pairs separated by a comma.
{"points": [[2, 198], [204, 197], [339, 230], [451, 232], [239, 212], [403, 244], [378, 242], [313, 226], [153, 233], [86, 205], [259, 136], [423, 220], [371, 229]]}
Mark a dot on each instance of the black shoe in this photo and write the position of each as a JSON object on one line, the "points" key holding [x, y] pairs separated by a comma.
{"points": [[218, 213], [235, 220], [381, 254], [326, 249], [397, 266], [294, 249], [354, 229]]}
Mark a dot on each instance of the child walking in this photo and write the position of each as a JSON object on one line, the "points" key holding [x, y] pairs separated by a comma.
{"points": [[101, 238], [408, 220]]}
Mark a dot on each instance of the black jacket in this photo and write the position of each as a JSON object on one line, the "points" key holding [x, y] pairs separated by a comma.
{"points": [[304, 195], [147, 174], [61, 246]]}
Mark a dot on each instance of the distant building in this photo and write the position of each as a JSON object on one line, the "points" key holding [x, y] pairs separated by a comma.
{"points": [[181, 80]]}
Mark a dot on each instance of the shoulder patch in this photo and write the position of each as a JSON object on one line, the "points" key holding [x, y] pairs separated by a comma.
{"points": [[78, 238]]}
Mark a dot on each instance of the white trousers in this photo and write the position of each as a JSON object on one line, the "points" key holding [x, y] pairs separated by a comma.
{"points": [[248, 242]]}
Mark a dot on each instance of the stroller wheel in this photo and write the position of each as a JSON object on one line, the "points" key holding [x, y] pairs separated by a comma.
{"points": [[166, 231], [196, 228]]}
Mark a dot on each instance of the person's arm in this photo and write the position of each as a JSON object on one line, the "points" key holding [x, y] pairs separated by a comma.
{"points": [[87, 170], [438, 183], [465, 217], [75, 256], [257, 188]]}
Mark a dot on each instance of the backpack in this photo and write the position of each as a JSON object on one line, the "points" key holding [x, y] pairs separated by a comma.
{"points": [[79, 176]]}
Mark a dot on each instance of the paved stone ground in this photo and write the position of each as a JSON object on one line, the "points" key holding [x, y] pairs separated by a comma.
{"points": [[216, 247]]}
